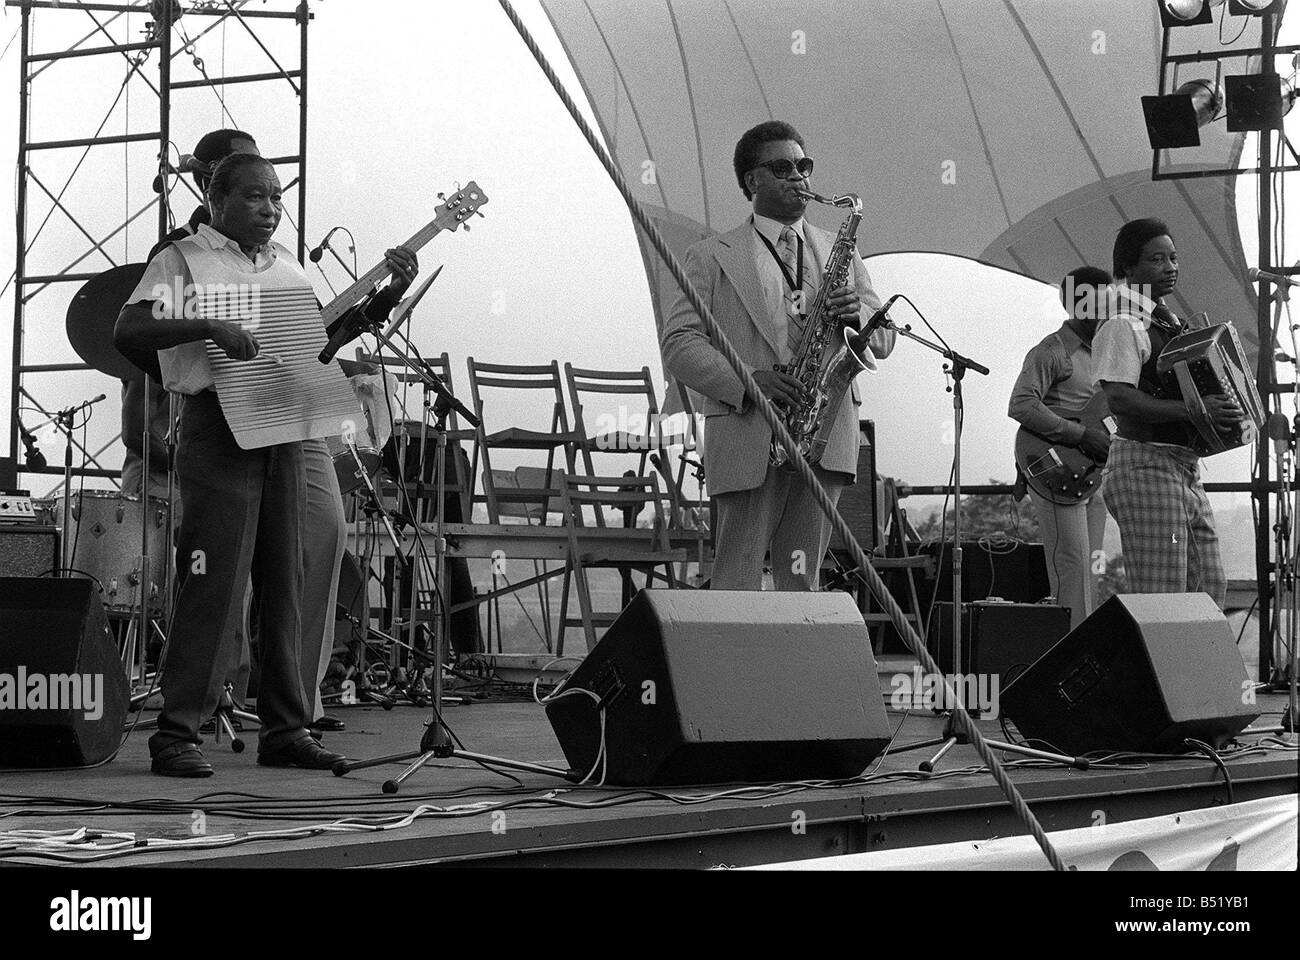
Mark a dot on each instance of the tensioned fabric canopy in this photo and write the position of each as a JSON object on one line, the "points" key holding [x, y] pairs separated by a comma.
{"points": [[1009, 131]]}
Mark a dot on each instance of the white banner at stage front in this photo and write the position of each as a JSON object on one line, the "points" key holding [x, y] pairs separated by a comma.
{"points": [[1253, 835]]}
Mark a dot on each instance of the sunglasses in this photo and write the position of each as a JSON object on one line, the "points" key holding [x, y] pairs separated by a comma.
{"points": [[783, 168]]}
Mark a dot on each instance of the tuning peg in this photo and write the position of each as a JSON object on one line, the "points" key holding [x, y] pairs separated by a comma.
{"points": [[479, 212], [442, 196]]}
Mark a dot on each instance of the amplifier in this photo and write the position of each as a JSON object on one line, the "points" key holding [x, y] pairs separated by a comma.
{"points": [[28, 550], [1008, 570], [997, 638], [16, 508], [859, 503]]}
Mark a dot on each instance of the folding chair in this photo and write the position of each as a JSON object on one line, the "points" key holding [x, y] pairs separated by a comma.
{"points": [[529, 495], [631, 548]]}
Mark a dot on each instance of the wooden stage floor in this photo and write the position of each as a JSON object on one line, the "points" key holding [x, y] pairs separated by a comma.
{"points": [[456, 812]]}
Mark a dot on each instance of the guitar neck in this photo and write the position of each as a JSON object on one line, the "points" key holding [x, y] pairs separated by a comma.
{"points": [[367, 282]]}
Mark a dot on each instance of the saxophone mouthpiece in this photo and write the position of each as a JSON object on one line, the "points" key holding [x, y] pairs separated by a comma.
{"points": [[845, 200]]}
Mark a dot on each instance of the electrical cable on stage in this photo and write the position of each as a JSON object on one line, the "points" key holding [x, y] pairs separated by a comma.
{"points": [[48, 844]]}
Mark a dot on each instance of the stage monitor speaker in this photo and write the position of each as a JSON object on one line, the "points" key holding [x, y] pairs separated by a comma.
{"points": [[997, 638], [1142, 673], [714, 686], [28, 550], [63, 692]]}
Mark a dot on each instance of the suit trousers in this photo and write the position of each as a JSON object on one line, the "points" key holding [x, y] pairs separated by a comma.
{"points": [[1072, 534], [782, 515], [324, 542], [242, 518], [325, 532]]}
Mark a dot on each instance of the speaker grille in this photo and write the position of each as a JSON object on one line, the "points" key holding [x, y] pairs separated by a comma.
{"points": [[28, 551]]}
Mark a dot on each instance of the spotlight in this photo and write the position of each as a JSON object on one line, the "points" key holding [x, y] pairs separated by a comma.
{"points": [[1258, 101], [1186, 13], [1175, 119], [1252, 8]]}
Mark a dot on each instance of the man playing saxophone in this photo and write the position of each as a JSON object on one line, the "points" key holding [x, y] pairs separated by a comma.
{"points": [[758, 281]]}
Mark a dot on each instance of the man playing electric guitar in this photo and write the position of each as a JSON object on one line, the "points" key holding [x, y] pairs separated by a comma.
{"points": [[1054, 400]]}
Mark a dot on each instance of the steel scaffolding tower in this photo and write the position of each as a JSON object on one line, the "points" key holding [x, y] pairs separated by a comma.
{"points": [[166, 38]]}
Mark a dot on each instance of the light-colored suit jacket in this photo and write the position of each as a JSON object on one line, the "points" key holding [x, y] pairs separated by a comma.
{"points": [[736, 444]]}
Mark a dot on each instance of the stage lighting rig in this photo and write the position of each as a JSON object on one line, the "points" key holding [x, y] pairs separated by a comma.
{"points": [[1175, 119]]}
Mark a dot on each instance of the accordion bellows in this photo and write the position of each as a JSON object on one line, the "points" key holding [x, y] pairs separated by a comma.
{"points": [[1207, 362]]}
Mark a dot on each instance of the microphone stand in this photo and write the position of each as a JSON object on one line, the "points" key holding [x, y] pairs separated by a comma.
{"points": [[436, 741], [1286, 532], [346, 269], [956, 367], [63, 421]]}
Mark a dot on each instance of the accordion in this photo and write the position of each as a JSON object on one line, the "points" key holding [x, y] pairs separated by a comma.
{"points": [[1207, 362]]}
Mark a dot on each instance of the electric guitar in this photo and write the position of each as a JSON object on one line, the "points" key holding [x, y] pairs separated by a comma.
{"points": [[1058, 472]]}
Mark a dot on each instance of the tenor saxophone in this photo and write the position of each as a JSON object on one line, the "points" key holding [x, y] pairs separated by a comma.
{"points": [[829, 355]]}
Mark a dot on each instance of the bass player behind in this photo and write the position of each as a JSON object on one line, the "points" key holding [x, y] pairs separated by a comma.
{"points": [[1152, 481], [755, 280], [1055, 402]]}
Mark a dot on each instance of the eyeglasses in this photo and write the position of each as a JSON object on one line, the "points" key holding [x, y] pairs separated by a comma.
{"points": [[783, 168]]}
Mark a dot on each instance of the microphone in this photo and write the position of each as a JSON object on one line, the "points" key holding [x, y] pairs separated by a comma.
{"points": [[343, 333], [1274, 278], [188, 164], [1278, 429], [318, 251], [35, 460], [879, 318], [66, 413], [192, 164]]}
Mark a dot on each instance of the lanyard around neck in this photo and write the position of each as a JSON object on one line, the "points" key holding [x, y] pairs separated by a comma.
{"points": [[795, 282]]}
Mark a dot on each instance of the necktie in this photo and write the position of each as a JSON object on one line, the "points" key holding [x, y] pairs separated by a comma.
{"points": [[1166, 316], [788, 246]]}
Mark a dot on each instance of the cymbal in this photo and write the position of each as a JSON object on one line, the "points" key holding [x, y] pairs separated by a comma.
{"points": [[92, 315]]}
